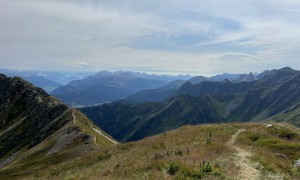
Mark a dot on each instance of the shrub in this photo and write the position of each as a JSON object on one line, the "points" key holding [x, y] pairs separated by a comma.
{"points": [[208, 139], [254, 137], [173, 168], [283, 133], [205, 168], [287, 135], [197, 175], [103, 157]]}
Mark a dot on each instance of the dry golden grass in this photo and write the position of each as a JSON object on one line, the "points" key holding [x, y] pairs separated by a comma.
{"points": [[150, 158], [173, 155]]}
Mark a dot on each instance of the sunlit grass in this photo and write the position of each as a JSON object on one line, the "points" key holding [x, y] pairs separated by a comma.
{"points": [[275, 148], [190, 152]]}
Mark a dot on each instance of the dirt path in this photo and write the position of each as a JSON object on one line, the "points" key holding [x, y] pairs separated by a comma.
{"points": [[241, 159], [99, 132], [74, 118]]}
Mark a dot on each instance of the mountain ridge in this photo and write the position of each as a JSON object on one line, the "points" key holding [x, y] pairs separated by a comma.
{"points": [[107, 86], [60, 142], [37, 128], [200, 103]]}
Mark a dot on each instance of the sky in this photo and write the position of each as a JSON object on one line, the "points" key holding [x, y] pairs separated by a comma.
{"points": [[204, 37]]}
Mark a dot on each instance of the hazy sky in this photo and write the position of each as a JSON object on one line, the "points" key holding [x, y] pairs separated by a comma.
{"points": [[172, 36]]}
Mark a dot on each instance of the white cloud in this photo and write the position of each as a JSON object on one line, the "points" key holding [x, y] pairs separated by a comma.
{"points": [[181, 36], [82, 64]]}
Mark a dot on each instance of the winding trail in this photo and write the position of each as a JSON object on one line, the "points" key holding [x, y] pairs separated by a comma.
{"points": [[241, 159], [99, 132], [96, 130], [74, 118]]}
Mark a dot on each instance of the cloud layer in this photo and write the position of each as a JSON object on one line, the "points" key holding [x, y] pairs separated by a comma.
{"points": [[172, 36]]}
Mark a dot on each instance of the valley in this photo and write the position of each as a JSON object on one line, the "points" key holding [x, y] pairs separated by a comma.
{"points": [[149, 90], [206, 130], [274, 96]]}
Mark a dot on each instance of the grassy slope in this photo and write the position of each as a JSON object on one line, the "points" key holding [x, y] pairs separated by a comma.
{"points": [[87, 125], [129, 122], [181, 151], [38, 131], [292, 117], [276, 148], [36, 160]]}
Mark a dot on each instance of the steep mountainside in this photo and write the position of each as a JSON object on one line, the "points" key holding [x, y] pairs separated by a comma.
{"points": [[37, 130], [156, 95], [54, 76], [216, 78], [222, 77], [261, 102], [245, 78], [47, 80], [208, 87], [41, 138], [128, 122], [198, 79], [264, 73], [163, 93], [46, 84], [106, 86], [275, 95], [291, 115]]}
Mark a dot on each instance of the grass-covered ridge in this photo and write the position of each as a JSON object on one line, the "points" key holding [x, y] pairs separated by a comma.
{"points": [[83, 141], [38, 131], [190, 152]]}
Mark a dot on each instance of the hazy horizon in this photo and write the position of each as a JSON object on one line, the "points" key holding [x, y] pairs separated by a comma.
{"points": [[88, 73], [161, 37]]}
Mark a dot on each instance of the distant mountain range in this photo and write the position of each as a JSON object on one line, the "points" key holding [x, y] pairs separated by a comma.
{"points": [[272, 95], [48, 80], [79, 89], [109, 86], [165, 92], [38, 130], [42, 138], [46, 84], [70, 87]]}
